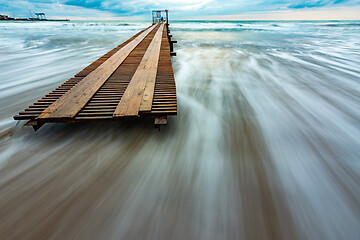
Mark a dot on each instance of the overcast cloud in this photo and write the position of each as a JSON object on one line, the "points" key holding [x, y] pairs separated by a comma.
{"points": [[141, 8]]}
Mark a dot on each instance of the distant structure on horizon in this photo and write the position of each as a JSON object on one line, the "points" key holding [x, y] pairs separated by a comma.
{"points": [[39, 17], [158, 17], [4, 17]]}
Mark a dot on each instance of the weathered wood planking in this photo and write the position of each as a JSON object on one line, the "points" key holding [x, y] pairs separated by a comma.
{"points": [[104, 105], [74, 100], [103, 102], [129, 104], [148, 95], [165, 101]]}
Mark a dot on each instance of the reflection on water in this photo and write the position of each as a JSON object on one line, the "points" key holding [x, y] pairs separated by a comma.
{"points": [[265, 146]]}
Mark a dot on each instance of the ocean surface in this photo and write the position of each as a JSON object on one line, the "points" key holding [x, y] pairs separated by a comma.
{"points": [[266, 144]]}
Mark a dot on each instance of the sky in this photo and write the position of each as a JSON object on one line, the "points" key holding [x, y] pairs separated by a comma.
{"points": [[188, 9]]}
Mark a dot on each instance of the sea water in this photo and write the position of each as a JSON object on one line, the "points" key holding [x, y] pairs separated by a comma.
{"points": [[266, 144]]}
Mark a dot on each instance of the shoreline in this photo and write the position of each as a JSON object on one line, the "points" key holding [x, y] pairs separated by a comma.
{"points": [[33, 20]]}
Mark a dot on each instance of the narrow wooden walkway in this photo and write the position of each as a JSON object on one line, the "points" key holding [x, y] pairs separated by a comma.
{"points": [[133, 80]]}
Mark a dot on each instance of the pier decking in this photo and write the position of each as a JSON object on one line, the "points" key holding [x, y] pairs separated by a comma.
{"points": [[133, 80]]}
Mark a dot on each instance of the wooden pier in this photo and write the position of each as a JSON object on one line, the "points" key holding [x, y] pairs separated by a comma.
{"points": [[133, 80]]}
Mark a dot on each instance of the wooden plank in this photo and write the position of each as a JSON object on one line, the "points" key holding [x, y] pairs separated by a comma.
{"points": [[75, 99], [129, 104], [165, 100], [148, 96]]}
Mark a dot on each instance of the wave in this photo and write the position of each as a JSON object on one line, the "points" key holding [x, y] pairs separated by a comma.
{"points": [[342, 25]]}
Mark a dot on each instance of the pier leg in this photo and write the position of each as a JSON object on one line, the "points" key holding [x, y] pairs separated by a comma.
{"points": [[162, 120], [35, 124], [171, 46]]}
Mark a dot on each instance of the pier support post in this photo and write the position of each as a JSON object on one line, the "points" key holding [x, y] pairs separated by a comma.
{"points": [[162, 120], [171, 46], [35, 124]]}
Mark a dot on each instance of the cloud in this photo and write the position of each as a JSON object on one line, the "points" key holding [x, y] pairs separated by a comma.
{"points": [[313, 3], [93, 4], [178, 8], [323, 13], [52, 9]]}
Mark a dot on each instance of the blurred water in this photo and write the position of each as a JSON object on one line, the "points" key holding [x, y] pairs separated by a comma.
{"points": [[265, 145]]}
